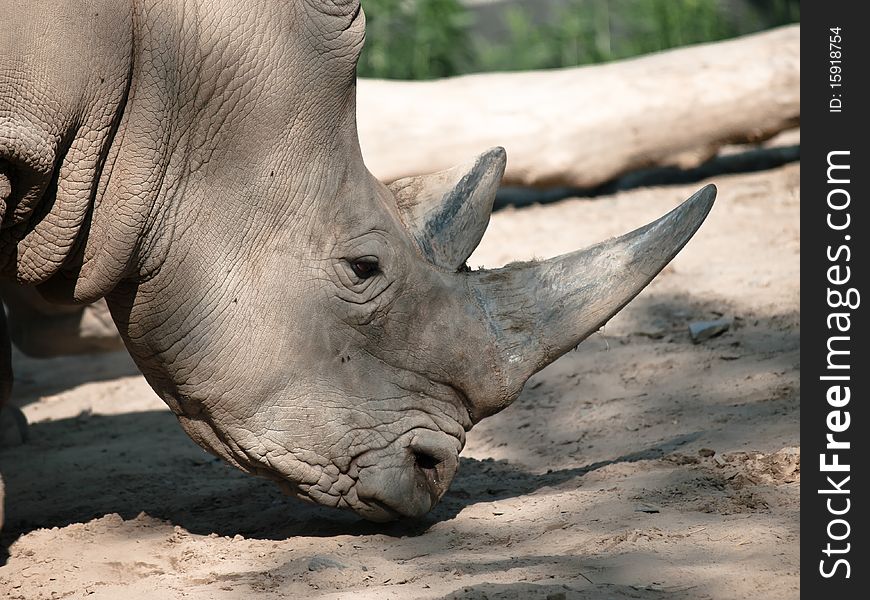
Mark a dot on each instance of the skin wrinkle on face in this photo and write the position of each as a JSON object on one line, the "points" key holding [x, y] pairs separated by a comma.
{"points": [[372, 416]]}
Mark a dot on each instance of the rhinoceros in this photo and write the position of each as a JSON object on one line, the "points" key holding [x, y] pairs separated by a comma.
{"points": [[196, 164]]}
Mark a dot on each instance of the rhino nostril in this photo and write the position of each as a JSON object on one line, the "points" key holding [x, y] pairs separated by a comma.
{"points": [[426, 461], [434, 456]]}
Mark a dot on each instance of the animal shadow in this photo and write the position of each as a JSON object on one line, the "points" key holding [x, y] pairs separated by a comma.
{"points": [[78, 469]]}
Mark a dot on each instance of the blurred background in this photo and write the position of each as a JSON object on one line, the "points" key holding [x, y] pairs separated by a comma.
{"points": [[426, 39]]}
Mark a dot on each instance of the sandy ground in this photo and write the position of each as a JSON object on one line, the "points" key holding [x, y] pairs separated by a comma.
{"points": [[639, 466]]}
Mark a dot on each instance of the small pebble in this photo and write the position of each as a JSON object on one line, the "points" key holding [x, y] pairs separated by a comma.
{"points": [[319, 563], [704, 330]]}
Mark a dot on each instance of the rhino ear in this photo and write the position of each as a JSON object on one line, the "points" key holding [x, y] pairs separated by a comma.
{"points": [[447, 212]]}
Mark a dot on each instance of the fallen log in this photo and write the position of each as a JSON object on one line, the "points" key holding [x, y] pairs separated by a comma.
{"points": [[583, 126]]}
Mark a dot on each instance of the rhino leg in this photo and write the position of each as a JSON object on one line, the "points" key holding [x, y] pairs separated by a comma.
{"points": [[41, 330], [13, 426], [5, 360], [5, 389], [13, 423]]}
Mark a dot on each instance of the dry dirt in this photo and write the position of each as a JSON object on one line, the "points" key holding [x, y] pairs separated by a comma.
{"points": [[640, 465]]}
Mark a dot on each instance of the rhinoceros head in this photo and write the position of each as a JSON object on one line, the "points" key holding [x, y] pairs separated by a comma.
{"points": [[312, 325]]}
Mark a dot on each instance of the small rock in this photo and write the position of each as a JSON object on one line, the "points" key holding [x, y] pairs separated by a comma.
{"points": [[556, 596], [706, 452], [320, 563], [704, 330]]}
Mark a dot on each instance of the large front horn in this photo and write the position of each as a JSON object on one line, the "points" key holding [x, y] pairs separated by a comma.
{"points": [[537, 311], [447, 212]]}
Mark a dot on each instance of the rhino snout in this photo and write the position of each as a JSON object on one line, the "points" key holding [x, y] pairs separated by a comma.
{"points": [[407, 479]]}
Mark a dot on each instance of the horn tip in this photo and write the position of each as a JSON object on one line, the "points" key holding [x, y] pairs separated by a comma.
{"points": [[496, 154], [707, 194], [493, 162], [701, 202]]}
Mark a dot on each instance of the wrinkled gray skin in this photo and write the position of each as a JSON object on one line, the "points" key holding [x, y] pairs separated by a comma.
{"points": [[196, 162]]}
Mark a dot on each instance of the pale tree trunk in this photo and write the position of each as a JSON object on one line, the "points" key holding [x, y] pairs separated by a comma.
{"points": [[584, 126]]}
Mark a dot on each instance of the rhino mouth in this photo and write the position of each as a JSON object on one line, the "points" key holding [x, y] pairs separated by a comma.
{"points": [[401, 479], [407, 478]]}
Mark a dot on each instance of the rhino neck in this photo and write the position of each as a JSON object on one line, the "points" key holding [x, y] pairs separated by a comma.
{"points": [[230, 115], [81, 175], [59, 115], [130, 189], [189, 125]]}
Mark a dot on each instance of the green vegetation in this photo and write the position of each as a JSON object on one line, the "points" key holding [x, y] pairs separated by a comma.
{"points": [[420, 39], [425, 39]]}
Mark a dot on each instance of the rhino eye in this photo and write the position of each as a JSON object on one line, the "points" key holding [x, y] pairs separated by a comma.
{"points": [[365, 267]]}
